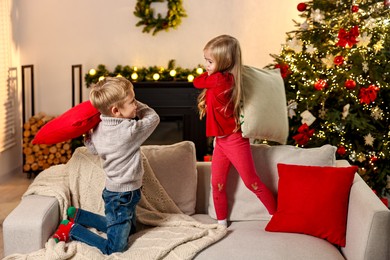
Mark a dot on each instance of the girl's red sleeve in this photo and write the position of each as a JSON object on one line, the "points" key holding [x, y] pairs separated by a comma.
{"points": [[207, 81]]}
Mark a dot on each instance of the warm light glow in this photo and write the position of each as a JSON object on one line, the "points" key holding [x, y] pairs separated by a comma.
{"points": [[199, 71], [190, 78], [172, 73], [92, 72], [101, 78], [156, 76], [134, 76], [119, 76]]}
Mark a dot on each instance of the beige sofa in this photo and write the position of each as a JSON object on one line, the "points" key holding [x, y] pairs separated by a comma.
{"points": [[187, 182]]}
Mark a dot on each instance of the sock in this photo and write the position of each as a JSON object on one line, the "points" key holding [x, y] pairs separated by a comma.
{"points": [[223, 222], [62, 233], [71, 212]]}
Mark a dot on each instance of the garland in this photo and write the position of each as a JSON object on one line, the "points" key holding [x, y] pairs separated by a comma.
{"points": [[148, 20], [144, 74]]}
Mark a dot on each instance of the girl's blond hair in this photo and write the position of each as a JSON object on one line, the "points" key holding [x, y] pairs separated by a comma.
{"points": [[226, 52], [110, 92]]}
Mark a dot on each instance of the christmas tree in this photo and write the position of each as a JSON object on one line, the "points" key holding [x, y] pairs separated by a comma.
{"points": [[337, 77]]}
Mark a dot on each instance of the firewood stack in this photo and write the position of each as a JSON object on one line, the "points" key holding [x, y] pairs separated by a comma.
{"points": [[38, 157]]}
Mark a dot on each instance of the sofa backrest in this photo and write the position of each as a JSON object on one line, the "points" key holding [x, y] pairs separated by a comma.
{"points": [[243, 204]]}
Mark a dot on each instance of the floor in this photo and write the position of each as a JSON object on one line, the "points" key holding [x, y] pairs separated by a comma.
{"points": [[11, 191]]}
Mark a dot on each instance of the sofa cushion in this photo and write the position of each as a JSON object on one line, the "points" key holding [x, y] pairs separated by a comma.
{"points": [[249, 240], [175, 167], [76, 121], [264, 111], [243, 204], [313, 200]]}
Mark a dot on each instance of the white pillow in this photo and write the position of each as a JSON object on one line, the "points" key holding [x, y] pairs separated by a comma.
{"points": [[242, 203], [264, 107], [175, 168]]}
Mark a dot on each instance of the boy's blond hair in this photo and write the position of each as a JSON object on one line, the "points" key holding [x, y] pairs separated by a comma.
{"points": [[226, 51], [110, 92]]}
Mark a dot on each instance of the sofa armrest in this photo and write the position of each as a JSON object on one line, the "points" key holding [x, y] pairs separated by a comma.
{"points": [[203, 189], [368, 225], [28, 227]]}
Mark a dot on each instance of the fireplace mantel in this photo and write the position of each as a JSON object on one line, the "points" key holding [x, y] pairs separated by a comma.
{"points": [[176, 99]]}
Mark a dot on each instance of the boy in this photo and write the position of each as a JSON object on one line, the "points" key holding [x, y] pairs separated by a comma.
{"points": [[117, 140]]}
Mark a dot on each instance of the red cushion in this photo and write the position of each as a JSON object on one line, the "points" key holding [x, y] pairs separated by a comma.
{"points": [[313, 200], [76, 121]]}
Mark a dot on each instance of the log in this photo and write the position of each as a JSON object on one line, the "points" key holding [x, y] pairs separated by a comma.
{"points": [[39, 157]]}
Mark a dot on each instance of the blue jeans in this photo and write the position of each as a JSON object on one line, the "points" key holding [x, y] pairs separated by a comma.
{"points": [[118, 224]]}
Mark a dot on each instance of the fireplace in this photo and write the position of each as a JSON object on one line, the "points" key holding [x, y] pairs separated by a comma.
{"points": [[175, 103]]}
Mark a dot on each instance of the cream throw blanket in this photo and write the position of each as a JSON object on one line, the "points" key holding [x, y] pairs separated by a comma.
{"points": [[173, 235]]}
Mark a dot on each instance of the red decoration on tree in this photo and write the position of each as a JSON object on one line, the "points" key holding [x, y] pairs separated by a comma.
{"points": [[369, 94], [350, 84], [338, 60], [284, 69], [301, 7], [320, 84], [386, 3], [355, 8], [348, 39], [341, 150], [304, 134]]}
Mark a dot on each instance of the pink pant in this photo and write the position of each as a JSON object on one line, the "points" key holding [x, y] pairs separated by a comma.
{"points": [[235, 150]]}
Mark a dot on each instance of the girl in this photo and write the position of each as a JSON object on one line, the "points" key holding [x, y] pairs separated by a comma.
{"points": [[220, 100]]}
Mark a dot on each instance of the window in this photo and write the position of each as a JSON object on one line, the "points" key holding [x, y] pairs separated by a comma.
{"points": [[8, 80]]}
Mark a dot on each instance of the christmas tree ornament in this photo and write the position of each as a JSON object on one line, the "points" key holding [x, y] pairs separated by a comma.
{"points": [[307, 118], [377, 113], [328, 61], [295, 44], [320, 84], [304, 134], [310, 49], [345, 112], [291, 106], [284, 69], [363, 40], [350, 84], [369, 140], [369, 94], [348, 39], [338, 60], [365, 67], [301, 7], [386, 3], [355, 8], [317, 16], [341, 150]]}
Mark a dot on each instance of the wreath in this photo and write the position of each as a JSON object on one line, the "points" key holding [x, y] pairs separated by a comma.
{"points": [[151, 23]]}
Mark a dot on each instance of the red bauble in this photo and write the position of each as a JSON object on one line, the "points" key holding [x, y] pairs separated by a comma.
{"points": [[341, 150], [338, 60], [386, 3], [355, 8], [301, 7], [320, 84], [350, 84]]}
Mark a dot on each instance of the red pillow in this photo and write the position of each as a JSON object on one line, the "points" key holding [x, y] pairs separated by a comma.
{"points": [[313, 200], [76, 121]]}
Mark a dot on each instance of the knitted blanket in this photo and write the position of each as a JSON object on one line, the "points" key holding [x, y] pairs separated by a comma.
{"points": [[168, 233]]}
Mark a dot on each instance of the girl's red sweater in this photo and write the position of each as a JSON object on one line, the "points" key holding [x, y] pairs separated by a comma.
{"points": [[220, 119]]}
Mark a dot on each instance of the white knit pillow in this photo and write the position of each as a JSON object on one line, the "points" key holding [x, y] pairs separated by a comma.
{"points": [[175, 168], [264, 111], [243, 204]]}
